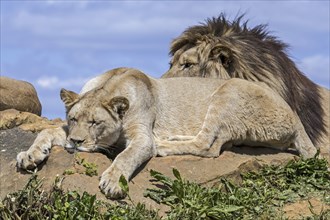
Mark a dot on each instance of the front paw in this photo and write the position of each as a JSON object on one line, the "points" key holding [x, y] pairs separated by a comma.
{"points": [[30, 160], [109, 184]]}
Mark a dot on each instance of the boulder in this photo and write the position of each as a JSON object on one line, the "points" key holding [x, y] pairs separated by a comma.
{"points": [[19, 95]]}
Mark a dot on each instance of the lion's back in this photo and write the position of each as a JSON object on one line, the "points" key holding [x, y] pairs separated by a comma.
{"points": [[182, 104]]}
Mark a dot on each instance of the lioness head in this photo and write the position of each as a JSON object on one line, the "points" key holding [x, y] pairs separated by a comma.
{"points": [[95, 124]]}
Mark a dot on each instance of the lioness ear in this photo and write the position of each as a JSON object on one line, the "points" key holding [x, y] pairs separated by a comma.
{"points": [[117, 104], [221, 54], [69, 98]]}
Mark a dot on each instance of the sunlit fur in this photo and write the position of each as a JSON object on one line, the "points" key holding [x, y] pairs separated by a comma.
{"points": [[146, 116], [220, 48]]}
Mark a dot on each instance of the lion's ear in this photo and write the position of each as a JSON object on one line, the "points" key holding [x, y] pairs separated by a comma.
{"points": [[69, 98], [221, 54], [118, 104]]}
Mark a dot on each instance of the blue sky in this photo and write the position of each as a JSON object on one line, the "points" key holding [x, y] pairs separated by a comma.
{"points": [[54, 44]]}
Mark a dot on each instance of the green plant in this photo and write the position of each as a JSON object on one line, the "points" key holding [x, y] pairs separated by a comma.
{"points": [[261, 195], [90, 169], [69, 172], [24, 203], [191, 201], [33, 203]]}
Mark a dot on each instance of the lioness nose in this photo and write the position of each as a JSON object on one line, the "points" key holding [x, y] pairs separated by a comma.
{"points": [[76, 142]]}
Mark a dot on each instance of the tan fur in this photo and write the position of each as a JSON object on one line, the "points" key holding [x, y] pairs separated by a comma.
{"points": [[220, 48], [146, 116]]}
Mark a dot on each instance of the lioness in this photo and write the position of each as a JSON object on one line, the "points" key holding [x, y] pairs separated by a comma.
{"points": [[147, 117]]}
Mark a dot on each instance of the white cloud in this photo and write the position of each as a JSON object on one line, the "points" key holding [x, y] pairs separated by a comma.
{"points": [[113, 25], [54, 83], [79, 3], [105, 20], [47, 82], [70, 40]]}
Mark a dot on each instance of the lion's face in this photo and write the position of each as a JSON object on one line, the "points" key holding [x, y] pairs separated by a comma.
{"points": [[92, 128], [185, 64], [202, 60], [94, 125]]}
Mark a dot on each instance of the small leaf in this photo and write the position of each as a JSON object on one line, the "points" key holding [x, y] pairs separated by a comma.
{"points": [[153, 195], [228, 209], [161, 177], [123, 184], [177, 175]]}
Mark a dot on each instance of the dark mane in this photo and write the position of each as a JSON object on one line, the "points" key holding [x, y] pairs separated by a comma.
{"points": [[220, 27], [260, 56]]}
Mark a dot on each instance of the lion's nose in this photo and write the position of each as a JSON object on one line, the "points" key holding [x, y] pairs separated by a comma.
{"points": [[76, 142]]}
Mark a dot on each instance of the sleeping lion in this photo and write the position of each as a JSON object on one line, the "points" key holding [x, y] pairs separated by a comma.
{"points": [[223, 48], [124, 108]]}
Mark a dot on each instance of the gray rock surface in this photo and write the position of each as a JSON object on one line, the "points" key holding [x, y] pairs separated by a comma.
{"points": [[13, 141]]}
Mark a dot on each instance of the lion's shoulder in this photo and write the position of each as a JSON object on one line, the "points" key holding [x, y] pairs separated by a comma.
{"points": [[100, 80]]}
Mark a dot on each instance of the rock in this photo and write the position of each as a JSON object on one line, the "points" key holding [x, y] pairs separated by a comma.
{"points": [[26, 121], [205, 171], [302, 208], [19, 95], [10, 146]]}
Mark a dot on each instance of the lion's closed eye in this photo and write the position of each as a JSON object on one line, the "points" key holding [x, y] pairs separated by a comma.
{"points": [[187, 65], [73, 120], [94, 122]]}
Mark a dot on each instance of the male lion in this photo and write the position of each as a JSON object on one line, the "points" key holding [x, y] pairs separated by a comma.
{"points": [[124, 108], [224, 49]]}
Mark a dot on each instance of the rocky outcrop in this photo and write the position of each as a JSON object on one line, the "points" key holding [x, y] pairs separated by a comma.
{"points": [[19, 95], [12, 118], [205, 171]]}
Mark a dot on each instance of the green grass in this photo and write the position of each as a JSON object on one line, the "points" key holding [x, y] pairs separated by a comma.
{"points": [[35, 204], [260, 195]]}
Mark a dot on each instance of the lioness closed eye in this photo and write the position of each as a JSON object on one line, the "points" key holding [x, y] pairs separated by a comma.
{"points": [[148, 116]]}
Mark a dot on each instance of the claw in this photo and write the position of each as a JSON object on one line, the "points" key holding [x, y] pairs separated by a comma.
{"points": [[45, 151]]}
